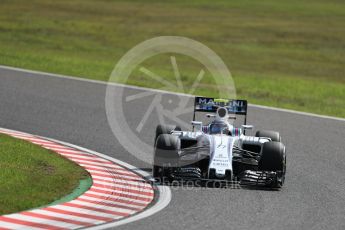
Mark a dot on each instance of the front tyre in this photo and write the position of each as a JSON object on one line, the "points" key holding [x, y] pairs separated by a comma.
{"points": [[273, 158], [166, 154]]}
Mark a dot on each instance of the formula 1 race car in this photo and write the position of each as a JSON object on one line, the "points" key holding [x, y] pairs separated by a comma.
{"points": [[219, 151]]}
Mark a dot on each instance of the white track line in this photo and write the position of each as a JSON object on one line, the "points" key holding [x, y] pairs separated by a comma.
{"points": [[160, 91], [297, 112]]}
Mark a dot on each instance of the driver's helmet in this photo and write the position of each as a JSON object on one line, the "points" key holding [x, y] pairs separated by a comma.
{"points": [[218, 127]]}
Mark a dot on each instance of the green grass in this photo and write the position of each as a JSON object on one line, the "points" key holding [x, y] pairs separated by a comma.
{"points": [[31, 176], [289, 54]]}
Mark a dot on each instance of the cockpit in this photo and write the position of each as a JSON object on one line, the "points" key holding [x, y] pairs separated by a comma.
{"points": [[219, 128]]}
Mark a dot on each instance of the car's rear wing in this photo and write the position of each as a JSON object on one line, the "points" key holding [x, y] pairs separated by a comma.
{"points": [[207, 104]]}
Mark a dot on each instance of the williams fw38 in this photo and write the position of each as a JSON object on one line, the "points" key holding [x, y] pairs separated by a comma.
{"points": [[219, 151]]}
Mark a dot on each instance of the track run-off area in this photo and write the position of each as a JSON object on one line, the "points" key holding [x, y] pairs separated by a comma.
{"points": [[117, 195]]}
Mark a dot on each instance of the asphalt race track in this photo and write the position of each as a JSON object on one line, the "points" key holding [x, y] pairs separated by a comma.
{"points": [[312, 198]]}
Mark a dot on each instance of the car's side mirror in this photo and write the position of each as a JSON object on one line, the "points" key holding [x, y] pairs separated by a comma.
{"points": [[197, 126], [247, 126]]}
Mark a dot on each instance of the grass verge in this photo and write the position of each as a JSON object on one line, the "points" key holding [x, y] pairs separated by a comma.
{"points": [[289, 54], [31, 176]]}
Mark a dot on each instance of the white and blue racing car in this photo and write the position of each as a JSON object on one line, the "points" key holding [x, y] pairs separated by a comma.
{"points": [[219, 151]]}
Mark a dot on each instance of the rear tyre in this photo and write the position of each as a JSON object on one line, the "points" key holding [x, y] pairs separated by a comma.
{"points": [[166, 155], [165, 129], [274, 159], [275, 136]]}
